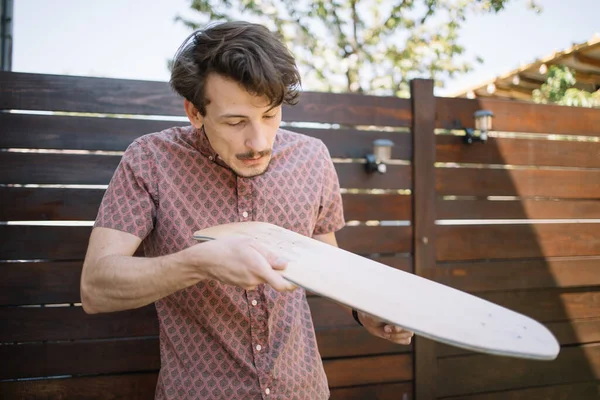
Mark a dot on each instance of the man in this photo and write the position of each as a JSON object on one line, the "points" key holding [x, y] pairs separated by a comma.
{"points": [[230, 326]]}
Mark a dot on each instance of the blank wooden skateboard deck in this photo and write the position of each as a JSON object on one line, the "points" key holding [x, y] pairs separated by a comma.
{"points": [[427, 308]]}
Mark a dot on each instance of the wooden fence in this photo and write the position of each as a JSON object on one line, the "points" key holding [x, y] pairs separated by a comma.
{"points": [[439, 215]]}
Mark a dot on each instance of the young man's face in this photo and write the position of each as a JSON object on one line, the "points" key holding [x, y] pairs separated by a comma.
{"points": [[241, 127]]}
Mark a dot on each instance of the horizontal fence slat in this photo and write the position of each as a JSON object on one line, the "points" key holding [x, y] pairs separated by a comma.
{"points": [[353, 342], [517, 116], [26, 283], [482, 373], [509, 151], [518, 274], [32, 131], [28, 324], [583, 184], [40, 282], [507, 241], [140, 355], [375, 239], [338, 334], [33, 168], [25, 242], [43, 92], [121, 96], [567, 333], [579, 391], [550, 305], [70, 242], [369, 370], [380, 207], [52, 204], [518, 209], [387, 391], [49, 204], [353, 143], [140, 386], [79, 358]]}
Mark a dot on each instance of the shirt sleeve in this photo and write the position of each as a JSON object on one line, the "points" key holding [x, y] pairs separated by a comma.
{"points": [[129, 203], [331, 210]]}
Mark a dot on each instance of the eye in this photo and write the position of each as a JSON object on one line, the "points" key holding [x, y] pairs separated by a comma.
{"points": [[234, 123], [270, 116]]}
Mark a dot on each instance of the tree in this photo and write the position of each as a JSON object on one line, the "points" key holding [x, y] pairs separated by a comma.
{"points": [[559, 89], [363, 46]]}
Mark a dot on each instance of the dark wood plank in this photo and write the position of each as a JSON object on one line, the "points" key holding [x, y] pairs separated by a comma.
{"points": [[580, 391], [48, 204], [27, 242], [140, 386], [567, 184], [29, 91], [31, 131], [556, 153], [70, 242], [518, 209], [354, 143], [353, 176], [378, 207], [517, 116], [388, 391], [467, 242], [551, 305], [424, 216], [74, 358], [368, 370], [376, 239], [58, 282], [40, 283], [483, 373], [34, 168], [518, 274], [568, 333], [353, 342], [26, 91], [24, 324]]}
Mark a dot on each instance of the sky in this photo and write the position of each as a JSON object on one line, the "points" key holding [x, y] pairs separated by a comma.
{"points": [[133, 39]]}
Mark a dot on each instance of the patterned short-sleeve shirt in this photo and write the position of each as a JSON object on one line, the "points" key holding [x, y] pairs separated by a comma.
{"points": [[219, 341]]}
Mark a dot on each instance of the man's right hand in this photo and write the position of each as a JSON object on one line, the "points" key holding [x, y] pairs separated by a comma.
{"points": [[239, 261]]}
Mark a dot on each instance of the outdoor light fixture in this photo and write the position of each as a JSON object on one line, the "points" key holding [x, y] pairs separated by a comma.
{"points": [[483, 123], [382, 152]]}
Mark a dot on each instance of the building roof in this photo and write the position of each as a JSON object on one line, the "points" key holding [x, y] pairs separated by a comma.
{"points": [[583, 58]]}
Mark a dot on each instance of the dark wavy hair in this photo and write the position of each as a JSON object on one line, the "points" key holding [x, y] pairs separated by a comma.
{"points": [[244, 52]]}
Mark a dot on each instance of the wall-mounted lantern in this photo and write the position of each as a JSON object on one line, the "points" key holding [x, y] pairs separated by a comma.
{"points": [[483, 124], [382, 153]]}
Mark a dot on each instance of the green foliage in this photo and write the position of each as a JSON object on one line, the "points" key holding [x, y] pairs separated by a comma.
{"points": [[558, 89], [363, 46]]}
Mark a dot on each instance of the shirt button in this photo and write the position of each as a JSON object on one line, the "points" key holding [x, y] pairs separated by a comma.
{"points": [[258, 347], [210, 158], [245, 214], [254, 302], [267, 390]]}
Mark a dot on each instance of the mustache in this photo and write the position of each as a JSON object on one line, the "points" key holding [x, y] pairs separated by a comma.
{"points": [[253, 154]]}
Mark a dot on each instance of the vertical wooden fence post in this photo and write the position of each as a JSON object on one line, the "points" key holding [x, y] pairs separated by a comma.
{"points": [[424, 201]]}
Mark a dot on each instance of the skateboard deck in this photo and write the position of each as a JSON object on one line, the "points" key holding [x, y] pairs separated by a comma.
{"points": [[427, 308]]}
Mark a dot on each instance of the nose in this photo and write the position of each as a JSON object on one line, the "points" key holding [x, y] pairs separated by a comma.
{"points": [[256, 138]]}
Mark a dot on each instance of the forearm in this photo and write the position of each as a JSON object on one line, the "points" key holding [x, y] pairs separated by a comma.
{"points": [[117, 282]]}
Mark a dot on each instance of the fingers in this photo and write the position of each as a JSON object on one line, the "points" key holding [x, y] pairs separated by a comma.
{"points": [[270, 264], [397, 334]]}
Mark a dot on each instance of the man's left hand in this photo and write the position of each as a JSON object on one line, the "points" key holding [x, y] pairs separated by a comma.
{"points": [[384, 330]]}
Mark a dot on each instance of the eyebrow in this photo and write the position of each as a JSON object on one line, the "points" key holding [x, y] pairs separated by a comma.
{"points": [[225, 116]]}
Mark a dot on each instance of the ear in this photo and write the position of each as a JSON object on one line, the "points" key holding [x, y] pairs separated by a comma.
{"points": [[193, 114]]}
